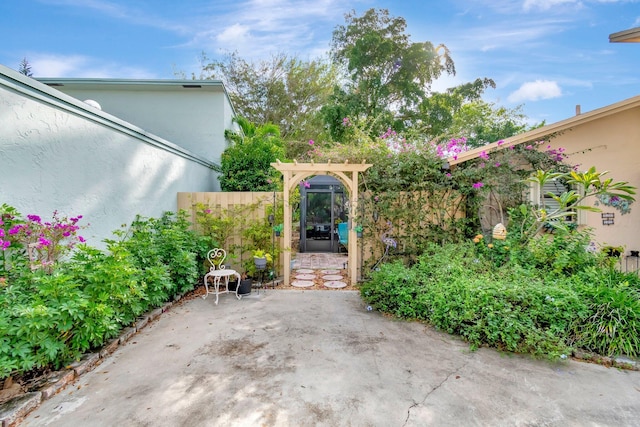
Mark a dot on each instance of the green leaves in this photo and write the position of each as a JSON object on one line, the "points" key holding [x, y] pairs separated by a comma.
{"points": [[51, 319], [585, 185], [524, 308], [387, 72], [246, 163]]}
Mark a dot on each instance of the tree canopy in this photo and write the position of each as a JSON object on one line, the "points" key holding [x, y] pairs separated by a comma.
{"points": [[283, 90], [387, 75]]}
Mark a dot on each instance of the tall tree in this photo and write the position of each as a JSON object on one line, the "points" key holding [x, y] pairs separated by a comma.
{"points": [[25, 68], [386, 74], [284, 90]]}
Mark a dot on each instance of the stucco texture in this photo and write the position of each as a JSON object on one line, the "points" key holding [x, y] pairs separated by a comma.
{"points": [[55, 159], [610, 143]]}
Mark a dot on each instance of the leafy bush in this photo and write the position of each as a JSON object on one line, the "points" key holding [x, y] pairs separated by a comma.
{"points": [[611, 323], [49, 317], [166, 242], [460, 290]]}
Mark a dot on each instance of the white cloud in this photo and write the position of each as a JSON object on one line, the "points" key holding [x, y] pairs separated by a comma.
{"points": [[273, 25], [124, 13], [534, 91], [545, 4], [233, 34], [47, 65], [52, 65]]}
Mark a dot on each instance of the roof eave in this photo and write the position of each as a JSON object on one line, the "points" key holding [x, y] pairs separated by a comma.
{"points": [[627, 36], [541, 132]]}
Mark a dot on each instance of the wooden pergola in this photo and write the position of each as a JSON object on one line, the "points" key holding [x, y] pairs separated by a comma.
{"points": [[347, 173]]}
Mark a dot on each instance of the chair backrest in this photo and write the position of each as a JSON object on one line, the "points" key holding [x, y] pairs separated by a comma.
{"points": [[216, 258], [343, 232]]}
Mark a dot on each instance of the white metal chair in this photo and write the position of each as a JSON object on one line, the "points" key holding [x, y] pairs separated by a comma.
{"points": [[218, 271]]}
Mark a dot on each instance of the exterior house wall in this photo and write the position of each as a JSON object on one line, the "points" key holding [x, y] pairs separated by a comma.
{"points": [[610, 143], [192, 114], [57, 153], [607, 138]]}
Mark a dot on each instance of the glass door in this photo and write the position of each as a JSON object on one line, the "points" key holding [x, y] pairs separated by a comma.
{"points": [[323, 206]]}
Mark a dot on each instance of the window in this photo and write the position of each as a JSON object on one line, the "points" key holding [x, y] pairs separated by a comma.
{"points": [[540, 197]]}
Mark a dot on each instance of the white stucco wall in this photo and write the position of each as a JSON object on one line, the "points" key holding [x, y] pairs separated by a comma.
{"points": [[194, 117], [56, 154]]}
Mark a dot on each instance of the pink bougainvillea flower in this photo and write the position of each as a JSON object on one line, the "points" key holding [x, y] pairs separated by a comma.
{"points": [[311, 142], [529, 147], [484, 155], [34, 218], [478, 185]]}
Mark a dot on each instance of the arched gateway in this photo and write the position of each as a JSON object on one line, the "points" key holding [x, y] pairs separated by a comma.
{"points": [[346, 172]]}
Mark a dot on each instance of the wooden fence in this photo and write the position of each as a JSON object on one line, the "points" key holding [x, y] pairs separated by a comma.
{"points": [[410, 224], [245, 207]]}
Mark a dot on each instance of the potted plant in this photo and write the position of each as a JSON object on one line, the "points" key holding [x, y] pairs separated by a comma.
{"points": [[358, 228], [261, 259], [244, 287], [278, 229]]}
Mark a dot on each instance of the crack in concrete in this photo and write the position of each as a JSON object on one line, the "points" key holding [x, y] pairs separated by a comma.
{"points": [[431, 391]]}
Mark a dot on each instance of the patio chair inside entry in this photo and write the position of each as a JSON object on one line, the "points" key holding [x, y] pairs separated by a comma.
{"points": [[217, 272]]}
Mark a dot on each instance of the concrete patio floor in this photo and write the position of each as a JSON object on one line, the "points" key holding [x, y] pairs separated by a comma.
{"points": [[319, 358]]}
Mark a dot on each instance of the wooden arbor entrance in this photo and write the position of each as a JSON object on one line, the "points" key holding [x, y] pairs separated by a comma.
{"points": [[347, 173]]}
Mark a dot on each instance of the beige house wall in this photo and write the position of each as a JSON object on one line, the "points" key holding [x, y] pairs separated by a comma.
{"points": [[610, 143]]}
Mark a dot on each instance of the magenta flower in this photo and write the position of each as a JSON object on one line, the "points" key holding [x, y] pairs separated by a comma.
{"points": [[311, 142], [208, 211], [500, 142], [34, 218], [529, 147], [497, 164], [81, 239], [43, 242], [484, 155], [478, 185]]}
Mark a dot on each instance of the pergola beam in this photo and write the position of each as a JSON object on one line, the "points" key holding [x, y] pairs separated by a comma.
{"points": [[348, 174]]}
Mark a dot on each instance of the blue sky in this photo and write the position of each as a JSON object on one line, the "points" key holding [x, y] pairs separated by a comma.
{"points": [[546, 55]]}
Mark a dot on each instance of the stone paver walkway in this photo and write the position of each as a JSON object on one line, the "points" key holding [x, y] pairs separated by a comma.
{"points": [[326, 268]]}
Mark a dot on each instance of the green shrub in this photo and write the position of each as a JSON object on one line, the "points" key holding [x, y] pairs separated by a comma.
{"points": [[156, 243], [49, 317], [611, 324], [513, 308]]}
